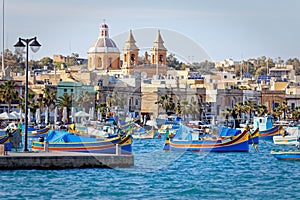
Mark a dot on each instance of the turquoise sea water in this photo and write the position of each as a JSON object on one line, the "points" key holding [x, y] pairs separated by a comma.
{"points": [[164, 175]]}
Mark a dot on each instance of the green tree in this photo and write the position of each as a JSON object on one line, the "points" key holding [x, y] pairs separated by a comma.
{"points": [[84, 100], [103, 109], [166, 103], [65, 101], [261, 110], [49, 99], [185, 108], [47, 61], [296, 113], [8, 93], [173, 62]]}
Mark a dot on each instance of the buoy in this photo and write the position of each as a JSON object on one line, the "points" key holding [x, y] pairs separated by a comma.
{"points": [[159, 136]]}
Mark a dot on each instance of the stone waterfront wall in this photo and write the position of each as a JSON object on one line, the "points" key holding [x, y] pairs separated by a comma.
{"points": [[42, 161]]}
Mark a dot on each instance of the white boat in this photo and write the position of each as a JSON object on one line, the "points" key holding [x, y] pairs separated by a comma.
{"points": [[144, 135], [289, 137]]}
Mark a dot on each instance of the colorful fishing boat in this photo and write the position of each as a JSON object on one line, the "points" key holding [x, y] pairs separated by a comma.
{"points": [[66, 141], [286, 155], [266, 128], [269, 133], [185, 141], [35, 133], [289, 136]]}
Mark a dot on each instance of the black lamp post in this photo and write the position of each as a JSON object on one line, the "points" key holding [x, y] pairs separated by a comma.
{"points": [[35, 46]]}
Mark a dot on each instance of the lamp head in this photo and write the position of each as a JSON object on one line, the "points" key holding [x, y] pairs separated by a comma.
{"points": [[35, 45], [19, 46]]}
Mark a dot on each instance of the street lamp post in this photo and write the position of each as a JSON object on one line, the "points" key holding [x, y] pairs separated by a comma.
{"points": [[35, 46]]}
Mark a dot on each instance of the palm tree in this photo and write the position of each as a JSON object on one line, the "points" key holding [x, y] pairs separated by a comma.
{"points": [[116, 99], [261, 110], [178, 108], [249, 107], [166, 103], [65, 101], [8, 93], [31, 103], [285, 108], [49, 98], [196, 109], [184, 104], [103, 108], [277, 112], [296, 113], [84, 100], [227, 114], [237, 113]]}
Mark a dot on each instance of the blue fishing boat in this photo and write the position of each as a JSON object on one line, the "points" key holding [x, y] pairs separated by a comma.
{"points": [[185, 140], [66, 141], [266, 127]]}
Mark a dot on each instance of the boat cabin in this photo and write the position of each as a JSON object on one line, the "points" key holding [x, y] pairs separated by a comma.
{"points": [[263, 123]]}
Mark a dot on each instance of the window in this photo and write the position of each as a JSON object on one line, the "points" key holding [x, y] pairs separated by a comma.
{"points": [[292, 106], [110, 61], [136, 102], [132, 58], [99, 62], [161, 58], [65, 90], [125, 57]]}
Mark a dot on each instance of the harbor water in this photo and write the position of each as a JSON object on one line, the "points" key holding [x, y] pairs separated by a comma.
{"points": [[159, 174]]}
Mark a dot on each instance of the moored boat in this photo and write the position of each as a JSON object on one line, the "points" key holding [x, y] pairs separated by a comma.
{"points": [[35, 132], [65, 141], [286, 155], [269, 133], [266, 127], [289, 136], [186, 142], [144, 135]]}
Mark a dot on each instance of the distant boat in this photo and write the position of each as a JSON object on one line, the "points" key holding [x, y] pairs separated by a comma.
{"points": [[66, 141], [286, 155], [185, 141], [144, 135]]}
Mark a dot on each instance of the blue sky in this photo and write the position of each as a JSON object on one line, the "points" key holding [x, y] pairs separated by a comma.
{"points": [[222, 29]]}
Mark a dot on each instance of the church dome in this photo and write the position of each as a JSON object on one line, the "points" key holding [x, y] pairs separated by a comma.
{"points": [[104, 44]]}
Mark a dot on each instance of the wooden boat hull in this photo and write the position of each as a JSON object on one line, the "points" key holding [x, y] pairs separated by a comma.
{"points": [[269, 133], [107, 146], [286, 155], [238, 144]]}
